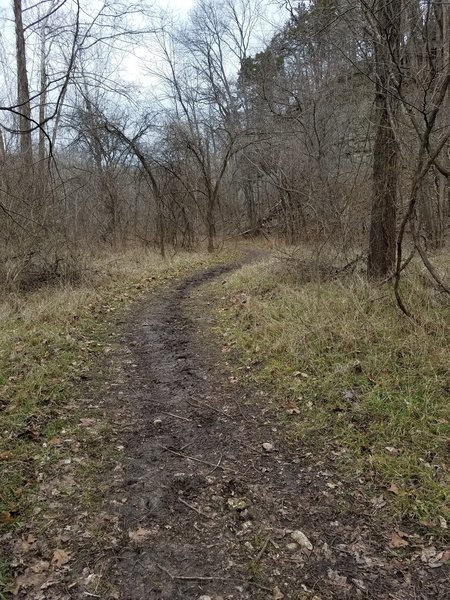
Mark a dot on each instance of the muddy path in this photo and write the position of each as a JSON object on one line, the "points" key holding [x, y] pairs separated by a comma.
{"points": [[209, 495]]}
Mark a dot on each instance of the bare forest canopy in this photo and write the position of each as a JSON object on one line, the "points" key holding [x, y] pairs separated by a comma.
{"points": [[334, 129]]}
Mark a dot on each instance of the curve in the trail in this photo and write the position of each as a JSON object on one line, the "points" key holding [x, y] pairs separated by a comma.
{"points": [[206, 510]]}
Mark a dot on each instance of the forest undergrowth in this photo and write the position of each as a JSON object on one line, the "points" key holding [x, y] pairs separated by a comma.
{"points": [[349, 375]]}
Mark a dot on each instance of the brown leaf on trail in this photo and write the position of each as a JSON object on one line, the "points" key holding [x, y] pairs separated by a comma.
{"points": [[25, 544], [54, 441], [60, 557], [28, 580], [292, 409], [6, 455], [340, 580], [300, 374], [440, 559], [277, 593], [6, 517], [40, 566], [395, 489], [140, 534], [434, 558], [378, 502], [397, 541]]}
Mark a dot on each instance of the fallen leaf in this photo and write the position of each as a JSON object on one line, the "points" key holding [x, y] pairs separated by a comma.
{"points": [[442, 522], [300, 374], [378, 502], [24, 545], [428, 554], [391, 449], [301, 539], [277, 593], [40, 566], [340, 580], [6, 455], [394, 489], [6, 517], [434, 558], [359, 584], [440, 559], [60, 557], [397, 541], [292, 409], [140, 534], [28, 580], [238, 504]]}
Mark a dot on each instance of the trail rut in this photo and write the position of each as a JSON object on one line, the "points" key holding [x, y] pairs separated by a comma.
{"points": [[206, 510]]}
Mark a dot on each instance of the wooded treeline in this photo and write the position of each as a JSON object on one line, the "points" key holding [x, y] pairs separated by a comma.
{"points": [[334, 129]]}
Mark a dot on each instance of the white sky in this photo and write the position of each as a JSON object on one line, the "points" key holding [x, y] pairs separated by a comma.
{"points": [[181, 6], [134, 67]]}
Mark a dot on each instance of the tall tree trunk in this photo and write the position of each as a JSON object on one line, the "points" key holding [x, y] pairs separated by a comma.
{"points": [[382, 241], [210, 224], [23, 90], [43, 91]]}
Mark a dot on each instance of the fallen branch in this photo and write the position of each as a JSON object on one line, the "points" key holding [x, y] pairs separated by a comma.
{"points": [[199, 460], [176, 416], [205, 405], [213, 578], [189, 577], [192, 507], [263, 549], [217, 466]]}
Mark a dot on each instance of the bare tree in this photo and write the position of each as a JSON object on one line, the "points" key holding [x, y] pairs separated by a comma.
{"points": [[383, 225]]}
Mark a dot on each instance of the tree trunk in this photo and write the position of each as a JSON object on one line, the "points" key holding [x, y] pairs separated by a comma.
{"points": [[210, 221], [382, 241], [23, 90]]}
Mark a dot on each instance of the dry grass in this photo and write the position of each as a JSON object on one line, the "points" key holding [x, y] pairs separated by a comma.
{"points": [[49, 340], [368, 383]]}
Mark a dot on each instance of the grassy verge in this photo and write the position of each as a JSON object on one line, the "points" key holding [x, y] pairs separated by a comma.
{"points": [[351, 375], [50, 341]]}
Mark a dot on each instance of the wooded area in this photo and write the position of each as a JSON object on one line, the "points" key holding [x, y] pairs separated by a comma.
{"points": [[335, 130], [224, 311]]}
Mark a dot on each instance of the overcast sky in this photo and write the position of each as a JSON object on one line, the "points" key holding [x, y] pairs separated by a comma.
{"points": [[134, 64], [181, 6]]}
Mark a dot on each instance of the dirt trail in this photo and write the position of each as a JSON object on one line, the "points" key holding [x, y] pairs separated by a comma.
{"points": [[220, 523]]}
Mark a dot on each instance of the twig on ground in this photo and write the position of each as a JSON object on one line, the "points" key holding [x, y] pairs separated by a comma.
{"points": [[216, 578], [189, 577], [176, 416], [217, 466], [192, 507], [186, 446], [252, 449], [263, 549], [192, 458], [205, 405]]}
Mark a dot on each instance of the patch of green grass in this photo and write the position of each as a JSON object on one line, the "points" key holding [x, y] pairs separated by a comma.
{"points": [[370, 385], [5, 578]]}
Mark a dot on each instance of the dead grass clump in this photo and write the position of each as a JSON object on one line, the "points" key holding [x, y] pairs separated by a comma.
{"points": [[29, 271], [367, 381]]}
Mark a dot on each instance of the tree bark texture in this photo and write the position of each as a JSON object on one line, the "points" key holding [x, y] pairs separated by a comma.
{"points": [[383, 230]]}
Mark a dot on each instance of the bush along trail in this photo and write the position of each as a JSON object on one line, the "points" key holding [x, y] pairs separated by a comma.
{"points": [[185, 485]]}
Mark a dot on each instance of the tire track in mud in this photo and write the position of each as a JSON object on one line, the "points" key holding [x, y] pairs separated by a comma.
{"points": [[203, 509]]}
